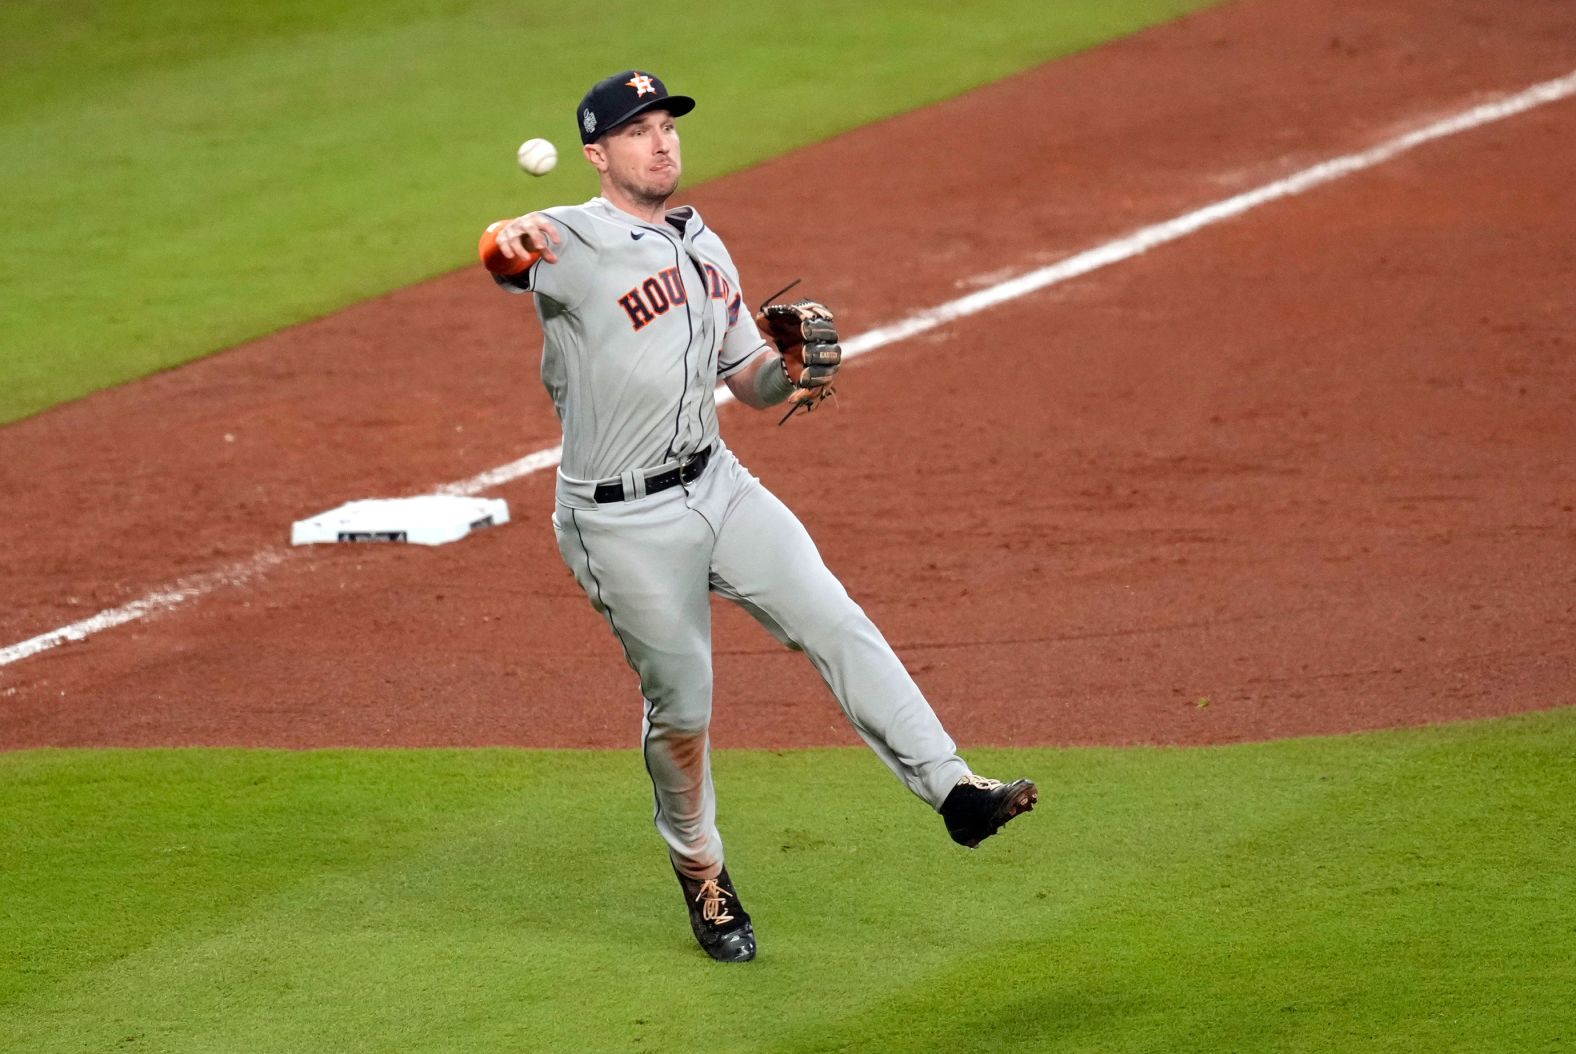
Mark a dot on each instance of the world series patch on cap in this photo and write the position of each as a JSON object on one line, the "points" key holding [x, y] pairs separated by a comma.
{"points": [[623, 97]]}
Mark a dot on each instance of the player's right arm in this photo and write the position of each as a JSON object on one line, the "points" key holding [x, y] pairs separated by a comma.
{"points": [[545, 253]]}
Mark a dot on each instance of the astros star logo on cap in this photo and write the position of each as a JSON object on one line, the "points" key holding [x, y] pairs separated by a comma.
{"points": [[642, 84]]}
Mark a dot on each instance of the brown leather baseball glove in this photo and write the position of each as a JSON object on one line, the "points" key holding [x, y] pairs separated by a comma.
{"points": [[806, 337]]}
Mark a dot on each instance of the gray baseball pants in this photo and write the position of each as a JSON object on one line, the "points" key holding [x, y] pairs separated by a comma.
{"points": [[649, 566]]}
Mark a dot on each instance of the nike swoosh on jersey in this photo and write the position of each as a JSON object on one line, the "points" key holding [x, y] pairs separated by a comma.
{"points": [[636, 235]]}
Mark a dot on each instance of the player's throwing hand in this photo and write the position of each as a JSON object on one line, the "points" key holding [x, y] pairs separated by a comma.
{"points": [[530, 235]]}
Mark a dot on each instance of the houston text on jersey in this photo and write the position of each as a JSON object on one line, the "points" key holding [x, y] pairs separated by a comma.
{"points": [[662, 290]]}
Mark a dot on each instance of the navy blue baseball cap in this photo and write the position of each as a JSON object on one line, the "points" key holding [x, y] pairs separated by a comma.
{"points": [[623, 97]]}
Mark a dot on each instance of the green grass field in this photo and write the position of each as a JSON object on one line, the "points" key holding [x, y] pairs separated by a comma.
{"points": [[180, 178], [1401, 891]]}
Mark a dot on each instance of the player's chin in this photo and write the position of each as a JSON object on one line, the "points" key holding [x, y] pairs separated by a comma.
{"points": [[664, 181]]}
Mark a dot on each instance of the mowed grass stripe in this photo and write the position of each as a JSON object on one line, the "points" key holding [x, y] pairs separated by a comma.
{"points": [[183, 178], [1396, 891]]}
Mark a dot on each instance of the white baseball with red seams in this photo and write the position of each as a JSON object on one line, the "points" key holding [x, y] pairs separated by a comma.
{"points": [[537, 156]]}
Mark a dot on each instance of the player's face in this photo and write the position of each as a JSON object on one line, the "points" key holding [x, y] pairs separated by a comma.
{"points": [[641, 158]]}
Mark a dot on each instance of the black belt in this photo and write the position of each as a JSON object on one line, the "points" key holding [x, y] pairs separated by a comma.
{"points": [[687, 472]]}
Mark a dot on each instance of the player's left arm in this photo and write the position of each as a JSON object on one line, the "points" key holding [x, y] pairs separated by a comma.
{"points": [[763, 382], [807, 360], [754, 374]]}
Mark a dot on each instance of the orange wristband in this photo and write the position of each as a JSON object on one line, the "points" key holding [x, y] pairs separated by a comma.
{"points": [[493, 258]]}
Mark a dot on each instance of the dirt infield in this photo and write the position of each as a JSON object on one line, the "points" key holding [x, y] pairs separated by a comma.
{"points": [[1310, 470]]}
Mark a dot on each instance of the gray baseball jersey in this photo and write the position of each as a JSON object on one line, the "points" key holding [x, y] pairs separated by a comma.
{"points": [[641, 320]]}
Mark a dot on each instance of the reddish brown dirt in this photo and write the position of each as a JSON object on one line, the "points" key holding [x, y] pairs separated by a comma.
{"points": [[1314, 465]]}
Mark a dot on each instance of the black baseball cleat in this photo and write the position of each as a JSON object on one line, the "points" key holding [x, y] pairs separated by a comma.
{"points": [[721, 925], [977, 807]]}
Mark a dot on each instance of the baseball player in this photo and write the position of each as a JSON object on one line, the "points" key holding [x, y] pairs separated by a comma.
{"points": [[643, 314]]}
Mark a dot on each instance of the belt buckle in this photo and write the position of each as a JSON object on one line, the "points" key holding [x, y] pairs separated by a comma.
{"points": [[689, 462]]}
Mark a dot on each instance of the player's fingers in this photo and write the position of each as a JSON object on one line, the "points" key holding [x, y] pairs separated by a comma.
{"points": [[540, 244], [539, 237], [512, 240]]}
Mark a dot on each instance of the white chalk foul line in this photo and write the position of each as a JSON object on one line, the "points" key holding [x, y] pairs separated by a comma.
{"points": [[162, 599], [1124, 248], [497, 477]]}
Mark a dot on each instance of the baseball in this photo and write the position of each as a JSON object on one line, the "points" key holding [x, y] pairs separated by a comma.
{"points": [[537, 156]]}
